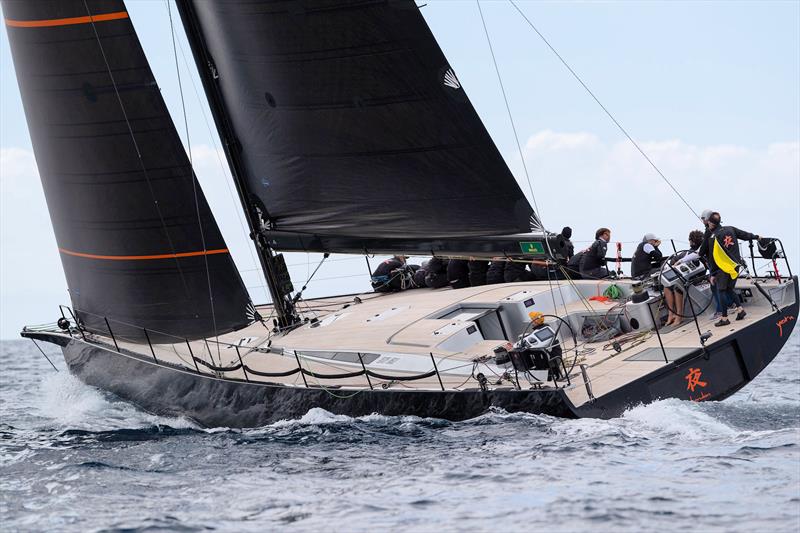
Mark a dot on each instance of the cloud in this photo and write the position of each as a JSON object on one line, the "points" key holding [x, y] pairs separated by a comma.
{"points": [[550, 141], [16, 163]]}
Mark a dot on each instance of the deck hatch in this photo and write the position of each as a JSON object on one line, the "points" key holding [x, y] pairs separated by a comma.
{"points": [[487, 319]]}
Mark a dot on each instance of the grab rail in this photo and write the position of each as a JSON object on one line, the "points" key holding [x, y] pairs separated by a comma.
{"points": [[773, 260]]}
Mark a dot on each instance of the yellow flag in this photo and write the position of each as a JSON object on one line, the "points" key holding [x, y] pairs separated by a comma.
{"points": [[724, 262]]}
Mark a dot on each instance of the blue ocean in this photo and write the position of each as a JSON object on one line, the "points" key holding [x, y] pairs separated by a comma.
{"points": [[73, 458]]}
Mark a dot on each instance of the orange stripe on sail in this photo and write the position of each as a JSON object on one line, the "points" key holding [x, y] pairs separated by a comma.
{"points": [[67, 21], [143, 257]]}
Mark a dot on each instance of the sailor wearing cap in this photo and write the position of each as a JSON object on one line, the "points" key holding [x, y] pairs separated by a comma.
{"points": [[646, 257], [703, 251]]}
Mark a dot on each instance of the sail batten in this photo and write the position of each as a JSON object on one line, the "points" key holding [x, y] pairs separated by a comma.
{"points": [[137, 239], [344, 117]]}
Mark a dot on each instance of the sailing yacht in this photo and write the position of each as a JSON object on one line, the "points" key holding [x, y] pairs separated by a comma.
{"points": [[346, 131]]}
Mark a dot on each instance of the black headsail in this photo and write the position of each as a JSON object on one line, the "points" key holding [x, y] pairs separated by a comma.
{"points": [[138, 242], [347, 127]]}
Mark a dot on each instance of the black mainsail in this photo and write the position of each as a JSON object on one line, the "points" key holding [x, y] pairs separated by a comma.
{"points": [[139, 244], [347, 127]]}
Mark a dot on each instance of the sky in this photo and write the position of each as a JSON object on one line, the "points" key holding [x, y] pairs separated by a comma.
{"points": [[709, 90]]}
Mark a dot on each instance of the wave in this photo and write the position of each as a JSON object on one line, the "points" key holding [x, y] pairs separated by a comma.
{"points": [[66, 403]]}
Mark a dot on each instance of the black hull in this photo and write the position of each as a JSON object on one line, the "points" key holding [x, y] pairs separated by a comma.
{"points": [[724, 368]]}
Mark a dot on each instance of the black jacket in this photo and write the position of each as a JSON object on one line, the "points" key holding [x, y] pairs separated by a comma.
{"points": [[477, 272], [570, 249], [458, 273], [496, 272], [595, 256], [643, 262], [436, 277], [727, 236], [388, 277], [516, 272]]}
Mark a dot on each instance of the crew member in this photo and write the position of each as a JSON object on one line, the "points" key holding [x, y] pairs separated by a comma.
{"points": [[704, 216], [675, 296], [496, 272], [516, 271], [391, 275], [436, 276], [647, 257], [573, 268], [594, 259], [726, 263], [566, 232], [458, 273], [703, 251], [477, 272], [419, 273]]}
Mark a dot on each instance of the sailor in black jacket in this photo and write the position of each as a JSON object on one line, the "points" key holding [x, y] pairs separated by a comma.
{"points": [[725, 263], [703, 250], [566, 232], [647, 256], [391, 275], [594, 259], [436, 276]]}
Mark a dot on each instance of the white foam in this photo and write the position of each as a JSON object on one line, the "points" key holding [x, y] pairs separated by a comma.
{"points": [[66, 402], [316, 416], [676, 417]]}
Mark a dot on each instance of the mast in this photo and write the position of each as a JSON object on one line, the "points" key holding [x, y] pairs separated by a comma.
{"points": [[258, 219]]}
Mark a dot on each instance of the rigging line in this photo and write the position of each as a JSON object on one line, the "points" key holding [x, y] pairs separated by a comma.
{"points": [[193, 177], [44, 354], [575, 75], [510, 116], [237, 206], [299, 295], [136, 146], [318, 279], [354, 258]]}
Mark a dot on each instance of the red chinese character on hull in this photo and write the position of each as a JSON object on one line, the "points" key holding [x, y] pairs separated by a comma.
{"points": [[693, 381]]}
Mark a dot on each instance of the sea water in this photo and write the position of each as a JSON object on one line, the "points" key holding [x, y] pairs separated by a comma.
{"points": [[73, 458]]}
